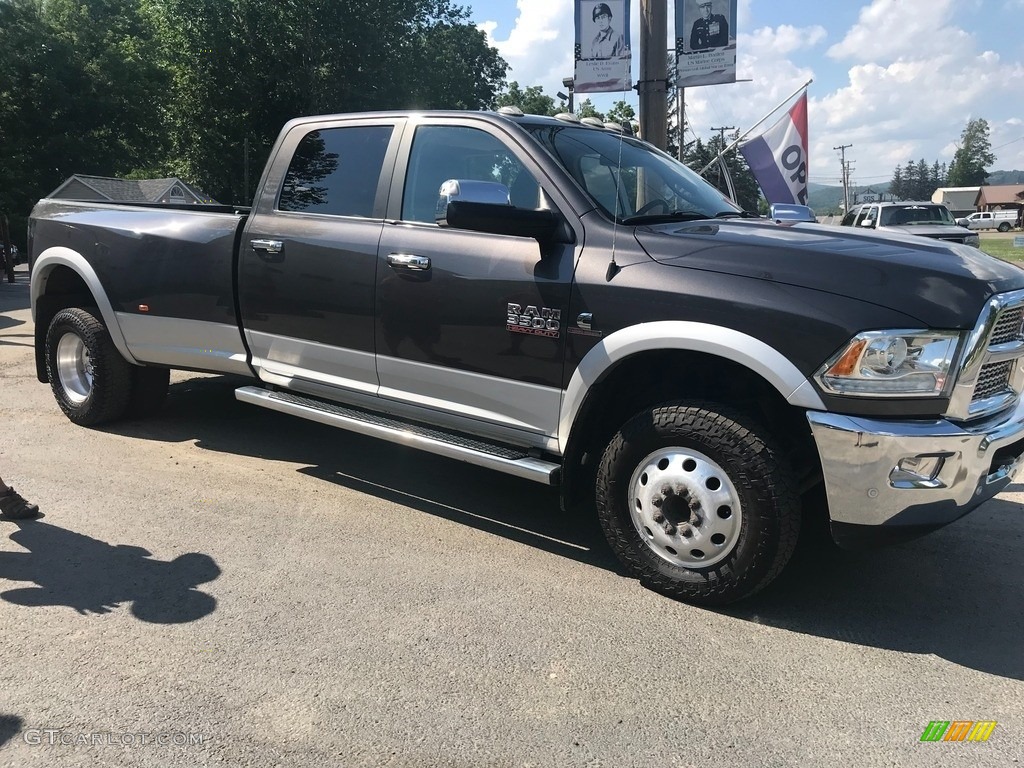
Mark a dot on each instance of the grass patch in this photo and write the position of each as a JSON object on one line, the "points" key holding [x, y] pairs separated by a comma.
{"points": [[1002, 248]]}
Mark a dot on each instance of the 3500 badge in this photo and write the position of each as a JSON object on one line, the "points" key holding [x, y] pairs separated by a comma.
{"points": [[533, 320]]}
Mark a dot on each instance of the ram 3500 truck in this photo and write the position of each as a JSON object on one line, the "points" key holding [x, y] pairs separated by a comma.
{"points": [[571, 306]]}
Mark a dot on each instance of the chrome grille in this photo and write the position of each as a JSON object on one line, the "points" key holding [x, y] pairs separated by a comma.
{"points": [[993, 379], [1008, 326], [991, 373]]}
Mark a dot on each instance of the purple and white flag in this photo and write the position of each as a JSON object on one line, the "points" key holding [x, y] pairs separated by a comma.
{"points": [[778, 157]]}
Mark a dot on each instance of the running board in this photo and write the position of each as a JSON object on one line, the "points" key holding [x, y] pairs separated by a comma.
{"points": [[454, 445]]}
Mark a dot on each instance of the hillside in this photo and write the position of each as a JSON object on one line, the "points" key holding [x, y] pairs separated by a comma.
{"points": [[825, 199]]}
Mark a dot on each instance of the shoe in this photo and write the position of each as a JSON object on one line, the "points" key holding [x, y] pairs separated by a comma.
{"points": [[14, 507]]}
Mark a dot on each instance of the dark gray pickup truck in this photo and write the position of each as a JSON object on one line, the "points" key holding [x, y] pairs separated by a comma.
{"points": [[571, 306]]}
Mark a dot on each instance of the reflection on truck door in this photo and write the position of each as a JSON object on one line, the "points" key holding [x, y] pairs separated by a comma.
{"points": [[443, 337], [308, 259]]}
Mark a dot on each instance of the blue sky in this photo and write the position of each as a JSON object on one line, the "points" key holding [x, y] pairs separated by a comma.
{"points": [[897, 79]]}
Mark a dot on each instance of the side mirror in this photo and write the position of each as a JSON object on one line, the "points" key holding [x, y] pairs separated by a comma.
{"points": [[470, 191], [483, 206], [867, 223]]}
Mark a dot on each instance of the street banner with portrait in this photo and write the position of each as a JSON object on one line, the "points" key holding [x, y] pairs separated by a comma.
{"points": [[778, 157], [602, 46], [705, 42]]}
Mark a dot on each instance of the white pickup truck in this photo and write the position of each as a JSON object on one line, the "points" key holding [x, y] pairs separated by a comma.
{"points": [[1004, 221]]}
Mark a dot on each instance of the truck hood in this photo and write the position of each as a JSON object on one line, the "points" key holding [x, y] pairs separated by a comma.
{"points": [[942, 285]]}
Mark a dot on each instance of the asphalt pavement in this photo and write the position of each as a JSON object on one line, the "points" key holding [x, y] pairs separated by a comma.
{"points": [[223, 585]]}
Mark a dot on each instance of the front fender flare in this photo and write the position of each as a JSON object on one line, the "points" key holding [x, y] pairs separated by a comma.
{"points": [[764, 360]]}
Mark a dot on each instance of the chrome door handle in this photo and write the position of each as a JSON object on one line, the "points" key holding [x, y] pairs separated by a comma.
{"points": [[409, 261], [270, 246]]}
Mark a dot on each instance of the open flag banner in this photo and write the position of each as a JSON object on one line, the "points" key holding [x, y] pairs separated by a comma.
{"points": [[602, 46], [778, 157]]}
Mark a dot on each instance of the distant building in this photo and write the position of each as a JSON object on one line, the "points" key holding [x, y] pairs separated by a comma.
{"points": [[959, 200], [1003, 196], [105, 189]]}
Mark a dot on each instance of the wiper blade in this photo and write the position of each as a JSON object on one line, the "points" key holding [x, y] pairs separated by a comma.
{"points": [[650, 218], [736, 215]]}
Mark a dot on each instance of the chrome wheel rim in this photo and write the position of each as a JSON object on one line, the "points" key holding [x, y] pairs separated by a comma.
{"points": [[74, 367], [684, 507]]}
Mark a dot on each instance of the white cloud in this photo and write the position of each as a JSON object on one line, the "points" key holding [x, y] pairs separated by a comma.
{"points": [[781, 40], [888, 30], [539, 47]]}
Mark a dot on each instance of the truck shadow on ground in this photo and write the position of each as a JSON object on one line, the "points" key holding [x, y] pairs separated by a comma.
{"points": [[956, 593], [93, 577]]}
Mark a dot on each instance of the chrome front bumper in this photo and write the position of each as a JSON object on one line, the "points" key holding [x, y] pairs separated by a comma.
{"points": [[914, 474]]}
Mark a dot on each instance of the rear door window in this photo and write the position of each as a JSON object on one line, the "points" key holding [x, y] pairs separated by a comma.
{"points": [[336, 171]]}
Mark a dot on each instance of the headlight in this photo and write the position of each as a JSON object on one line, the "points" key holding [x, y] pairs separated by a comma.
{"points": [[974, 240], [891, 363]]}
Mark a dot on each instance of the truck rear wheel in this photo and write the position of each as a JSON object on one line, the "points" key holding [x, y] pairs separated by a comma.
{"points": [[90, 380], [697, 502], [1004, 226]]}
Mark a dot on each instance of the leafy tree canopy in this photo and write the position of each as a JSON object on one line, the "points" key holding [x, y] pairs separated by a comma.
{"points": [[972, 157], [531, 100], [183, 87]]}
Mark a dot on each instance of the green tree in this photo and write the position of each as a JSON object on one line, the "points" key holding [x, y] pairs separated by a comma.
{"points": [[532, 100], [898, 184], [972, 157], [80, 92], [242, 68], [748, 193], [622, 113], [586, 108]]}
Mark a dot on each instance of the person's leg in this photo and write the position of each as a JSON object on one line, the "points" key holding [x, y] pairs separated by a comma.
{"points": [[13, 505]]}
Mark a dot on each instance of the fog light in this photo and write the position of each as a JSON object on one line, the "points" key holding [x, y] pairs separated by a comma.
{"points": [[920, 471]]}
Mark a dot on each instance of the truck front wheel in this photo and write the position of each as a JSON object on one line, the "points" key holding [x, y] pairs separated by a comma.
{"points": [[90, 380], [697, 502]]}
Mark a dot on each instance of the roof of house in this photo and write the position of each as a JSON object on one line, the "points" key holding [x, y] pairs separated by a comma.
{"points": [[1000, 194], [132, 190]]}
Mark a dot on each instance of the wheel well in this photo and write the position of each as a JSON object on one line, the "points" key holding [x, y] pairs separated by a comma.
{"points": [[64, 288], [649, 378]]}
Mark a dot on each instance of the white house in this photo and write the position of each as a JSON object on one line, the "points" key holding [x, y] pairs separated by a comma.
{"points": [[959, 200]]}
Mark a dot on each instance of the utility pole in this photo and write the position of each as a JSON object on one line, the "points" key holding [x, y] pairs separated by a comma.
{"points": [[653, 82], [721, 134], [846, 176]]}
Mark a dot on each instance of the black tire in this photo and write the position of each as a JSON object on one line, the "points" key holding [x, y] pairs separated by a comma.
{"points": [[1004, 227], [724, 494], [90, 380], [149, 390]]}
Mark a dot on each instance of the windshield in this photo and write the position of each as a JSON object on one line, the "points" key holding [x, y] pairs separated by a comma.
{"points": [[629, 180], [908, 215]]}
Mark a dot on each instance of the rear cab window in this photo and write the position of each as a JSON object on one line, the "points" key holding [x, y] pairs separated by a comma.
{"points": [[336, 171]]}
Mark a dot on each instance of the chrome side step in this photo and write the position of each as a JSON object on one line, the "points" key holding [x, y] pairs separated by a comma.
{"points": [[472, 450]]}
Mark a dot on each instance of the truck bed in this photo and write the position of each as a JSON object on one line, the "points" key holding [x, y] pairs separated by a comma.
{"points": [[168, 272]]}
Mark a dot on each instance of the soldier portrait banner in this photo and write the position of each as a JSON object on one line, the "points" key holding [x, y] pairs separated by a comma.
{"points": [[705, 42], [602, 46]]}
